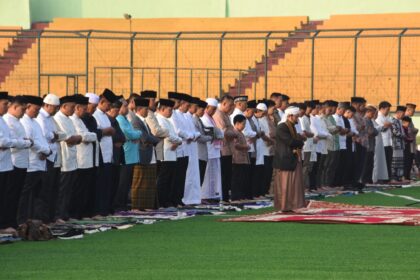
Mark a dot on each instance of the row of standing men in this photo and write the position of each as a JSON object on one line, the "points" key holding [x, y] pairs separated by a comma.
{"points": [[80, 156]]}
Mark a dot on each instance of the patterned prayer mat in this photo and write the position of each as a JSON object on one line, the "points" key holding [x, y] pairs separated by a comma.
{"points": [[322, 212], [8, 239]]}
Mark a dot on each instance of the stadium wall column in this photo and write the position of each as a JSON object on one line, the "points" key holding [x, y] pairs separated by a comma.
{"points": [[46, 10], [15, 13]]}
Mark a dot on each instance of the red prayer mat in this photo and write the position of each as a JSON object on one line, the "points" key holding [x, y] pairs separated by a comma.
{"points": [[322, 212]]}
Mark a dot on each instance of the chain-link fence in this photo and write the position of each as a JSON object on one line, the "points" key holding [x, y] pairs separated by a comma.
{"points": [[380, 64]]}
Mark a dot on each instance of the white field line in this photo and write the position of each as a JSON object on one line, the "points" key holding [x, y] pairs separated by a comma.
{"points": [[401, 196]]}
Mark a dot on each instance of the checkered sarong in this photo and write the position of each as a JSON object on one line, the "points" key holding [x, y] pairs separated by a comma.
{"points": [[143, 188], [397, 164]]}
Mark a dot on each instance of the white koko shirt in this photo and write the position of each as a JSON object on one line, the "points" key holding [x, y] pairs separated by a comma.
{"points": [[168, 154], [85, 150], [48, 128], [385, 132], [68, 152], [33, 131], [106, 141], [20, 153]]}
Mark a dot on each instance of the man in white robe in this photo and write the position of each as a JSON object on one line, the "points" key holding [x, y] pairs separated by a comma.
{"points": [[202, 142], [308, 151], [212, 185], [182, 104], [342, 137], [103, 201], [267, 150], [321, 134], [192, 189], [256, 151], [380, 170], [68, 177], [51, 178], [166, 154], [20, 159], [7, 142], [37, 167], [384, 121], [87, 161]]}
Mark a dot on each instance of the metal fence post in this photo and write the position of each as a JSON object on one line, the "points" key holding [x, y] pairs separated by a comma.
{"points": [[399, 66], [191, 82], [207, 83], [39, 63], [221, 63], [87, 60], [142, 79], [266, 63], [176, 60], [355, 62], [67, 85], [76, 84], [132, 61], [313, 64], [112, 79], [312, 67], [255, 84], [238, 88], [159, 81], [94, 79]]}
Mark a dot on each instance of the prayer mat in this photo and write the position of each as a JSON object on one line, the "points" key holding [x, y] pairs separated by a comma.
{"points": [[92, 225], [219, 208], [109, 220], [8, 239], [322, 212], [167, 214]]}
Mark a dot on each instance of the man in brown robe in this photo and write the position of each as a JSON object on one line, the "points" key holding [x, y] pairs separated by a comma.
{"points": [[289, 192]]}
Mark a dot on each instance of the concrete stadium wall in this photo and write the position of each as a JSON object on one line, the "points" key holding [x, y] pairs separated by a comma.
{"points": [[318, 9], [46, 10], [23, 12], [15, 13]]}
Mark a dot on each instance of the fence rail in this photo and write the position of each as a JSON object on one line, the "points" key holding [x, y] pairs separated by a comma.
{"points": [[252, 62]]}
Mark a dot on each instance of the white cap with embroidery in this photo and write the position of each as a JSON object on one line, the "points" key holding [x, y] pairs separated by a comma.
{"points": [[93, 98], [262, 107], [51, 99], [212, 102]]}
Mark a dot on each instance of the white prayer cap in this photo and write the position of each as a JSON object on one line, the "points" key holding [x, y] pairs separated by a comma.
{"points": [[51, 99], [262, 107], [291, 111], [93, 98], [212, 102]]}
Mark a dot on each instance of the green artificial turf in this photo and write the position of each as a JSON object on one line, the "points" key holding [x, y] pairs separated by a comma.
{"points": [[204, 248]]}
